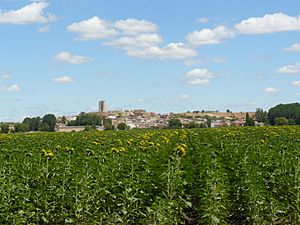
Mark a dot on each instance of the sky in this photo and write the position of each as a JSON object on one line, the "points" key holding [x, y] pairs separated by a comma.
{"points": [[63, 56]]}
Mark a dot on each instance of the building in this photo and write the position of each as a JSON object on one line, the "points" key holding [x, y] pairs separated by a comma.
{"points": [[101, 106]]}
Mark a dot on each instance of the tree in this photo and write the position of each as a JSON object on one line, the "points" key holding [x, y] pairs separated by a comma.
{"points": [[89, 128], [48, 122], [64, 120], [44, 127], [108, 126], [208, 120], [249, 120], [292, 122], [175, 123], [261, 115], [86, 119], [122, 126], [4, 128], [34, 123], [281, 121], [289, 111], [22, 127]]}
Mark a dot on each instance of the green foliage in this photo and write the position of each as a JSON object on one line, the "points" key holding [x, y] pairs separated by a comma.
{"points": [[195, 125], [4, 128], [261, 115], [208, 120], [292, 122], [220, 176], [249, 121], [289, 111], [48, 123], [86, 119], [122, 126], [281, 121], [90, 128], [175, 123], [21, 127], [34, 123]]}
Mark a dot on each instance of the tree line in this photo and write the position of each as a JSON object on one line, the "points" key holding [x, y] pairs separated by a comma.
{"points": [[46, 123]]}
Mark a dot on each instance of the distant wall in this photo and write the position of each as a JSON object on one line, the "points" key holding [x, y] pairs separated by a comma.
{"points": [[69, 128]]}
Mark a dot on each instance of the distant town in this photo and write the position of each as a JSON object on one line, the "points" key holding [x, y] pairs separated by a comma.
{"points": [[282, 114], [140, 118]]}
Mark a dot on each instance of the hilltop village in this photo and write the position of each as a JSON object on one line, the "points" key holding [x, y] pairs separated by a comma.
{"points": [[140, 118]]}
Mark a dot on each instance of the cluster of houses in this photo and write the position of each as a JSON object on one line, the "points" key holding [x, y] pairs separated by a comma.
{"points": [[142, 119]]}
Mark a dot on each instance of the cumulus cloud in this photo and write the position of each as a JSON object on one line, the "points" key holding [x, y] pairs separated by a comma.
{"points": [[199, 73], [199, 76], [183, 97], [6, 76], [271, 90], [289, 69], [170, 51], [33, 13], [209, 36], [62, 80], [192, 62], [93, 29], [296, 83], [198, 81], [13, 88], [44, 29], [293, 48], [269, 23], [202, 20], [139, 38], [67, 57], [138, 41], [133, 26]]}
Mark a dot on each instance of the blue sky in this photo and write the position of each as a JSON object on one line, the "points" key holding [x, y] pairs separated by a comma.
{"points": [[64, 56]]}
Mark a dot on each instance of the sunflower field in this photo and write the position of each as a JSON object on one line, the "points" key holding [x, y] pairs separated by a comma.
{"points": [[247, 175]]}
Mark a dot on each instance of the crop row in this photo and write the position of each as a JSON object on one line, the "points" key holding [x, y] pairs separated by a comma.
{"points": [[197, 176]]}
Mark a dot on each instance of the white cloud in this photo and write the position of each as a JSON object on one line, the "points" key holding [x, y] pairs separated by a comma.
{"points": [[178, 51], [183, 97], [198, 81], [44, 29], [33, 13], [72, 59], [137, 37], [62, 80], [6, 76], [93, 29], [199, 76], [218, 59], [139, 41], [289, 69], [202, 20], [199, 73], [271, 90], [298, 94], [209, 36], [192, 62], [277, 22], [296, 83], [293, 48], [170, 51], [13, 88], [133, 26]]}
